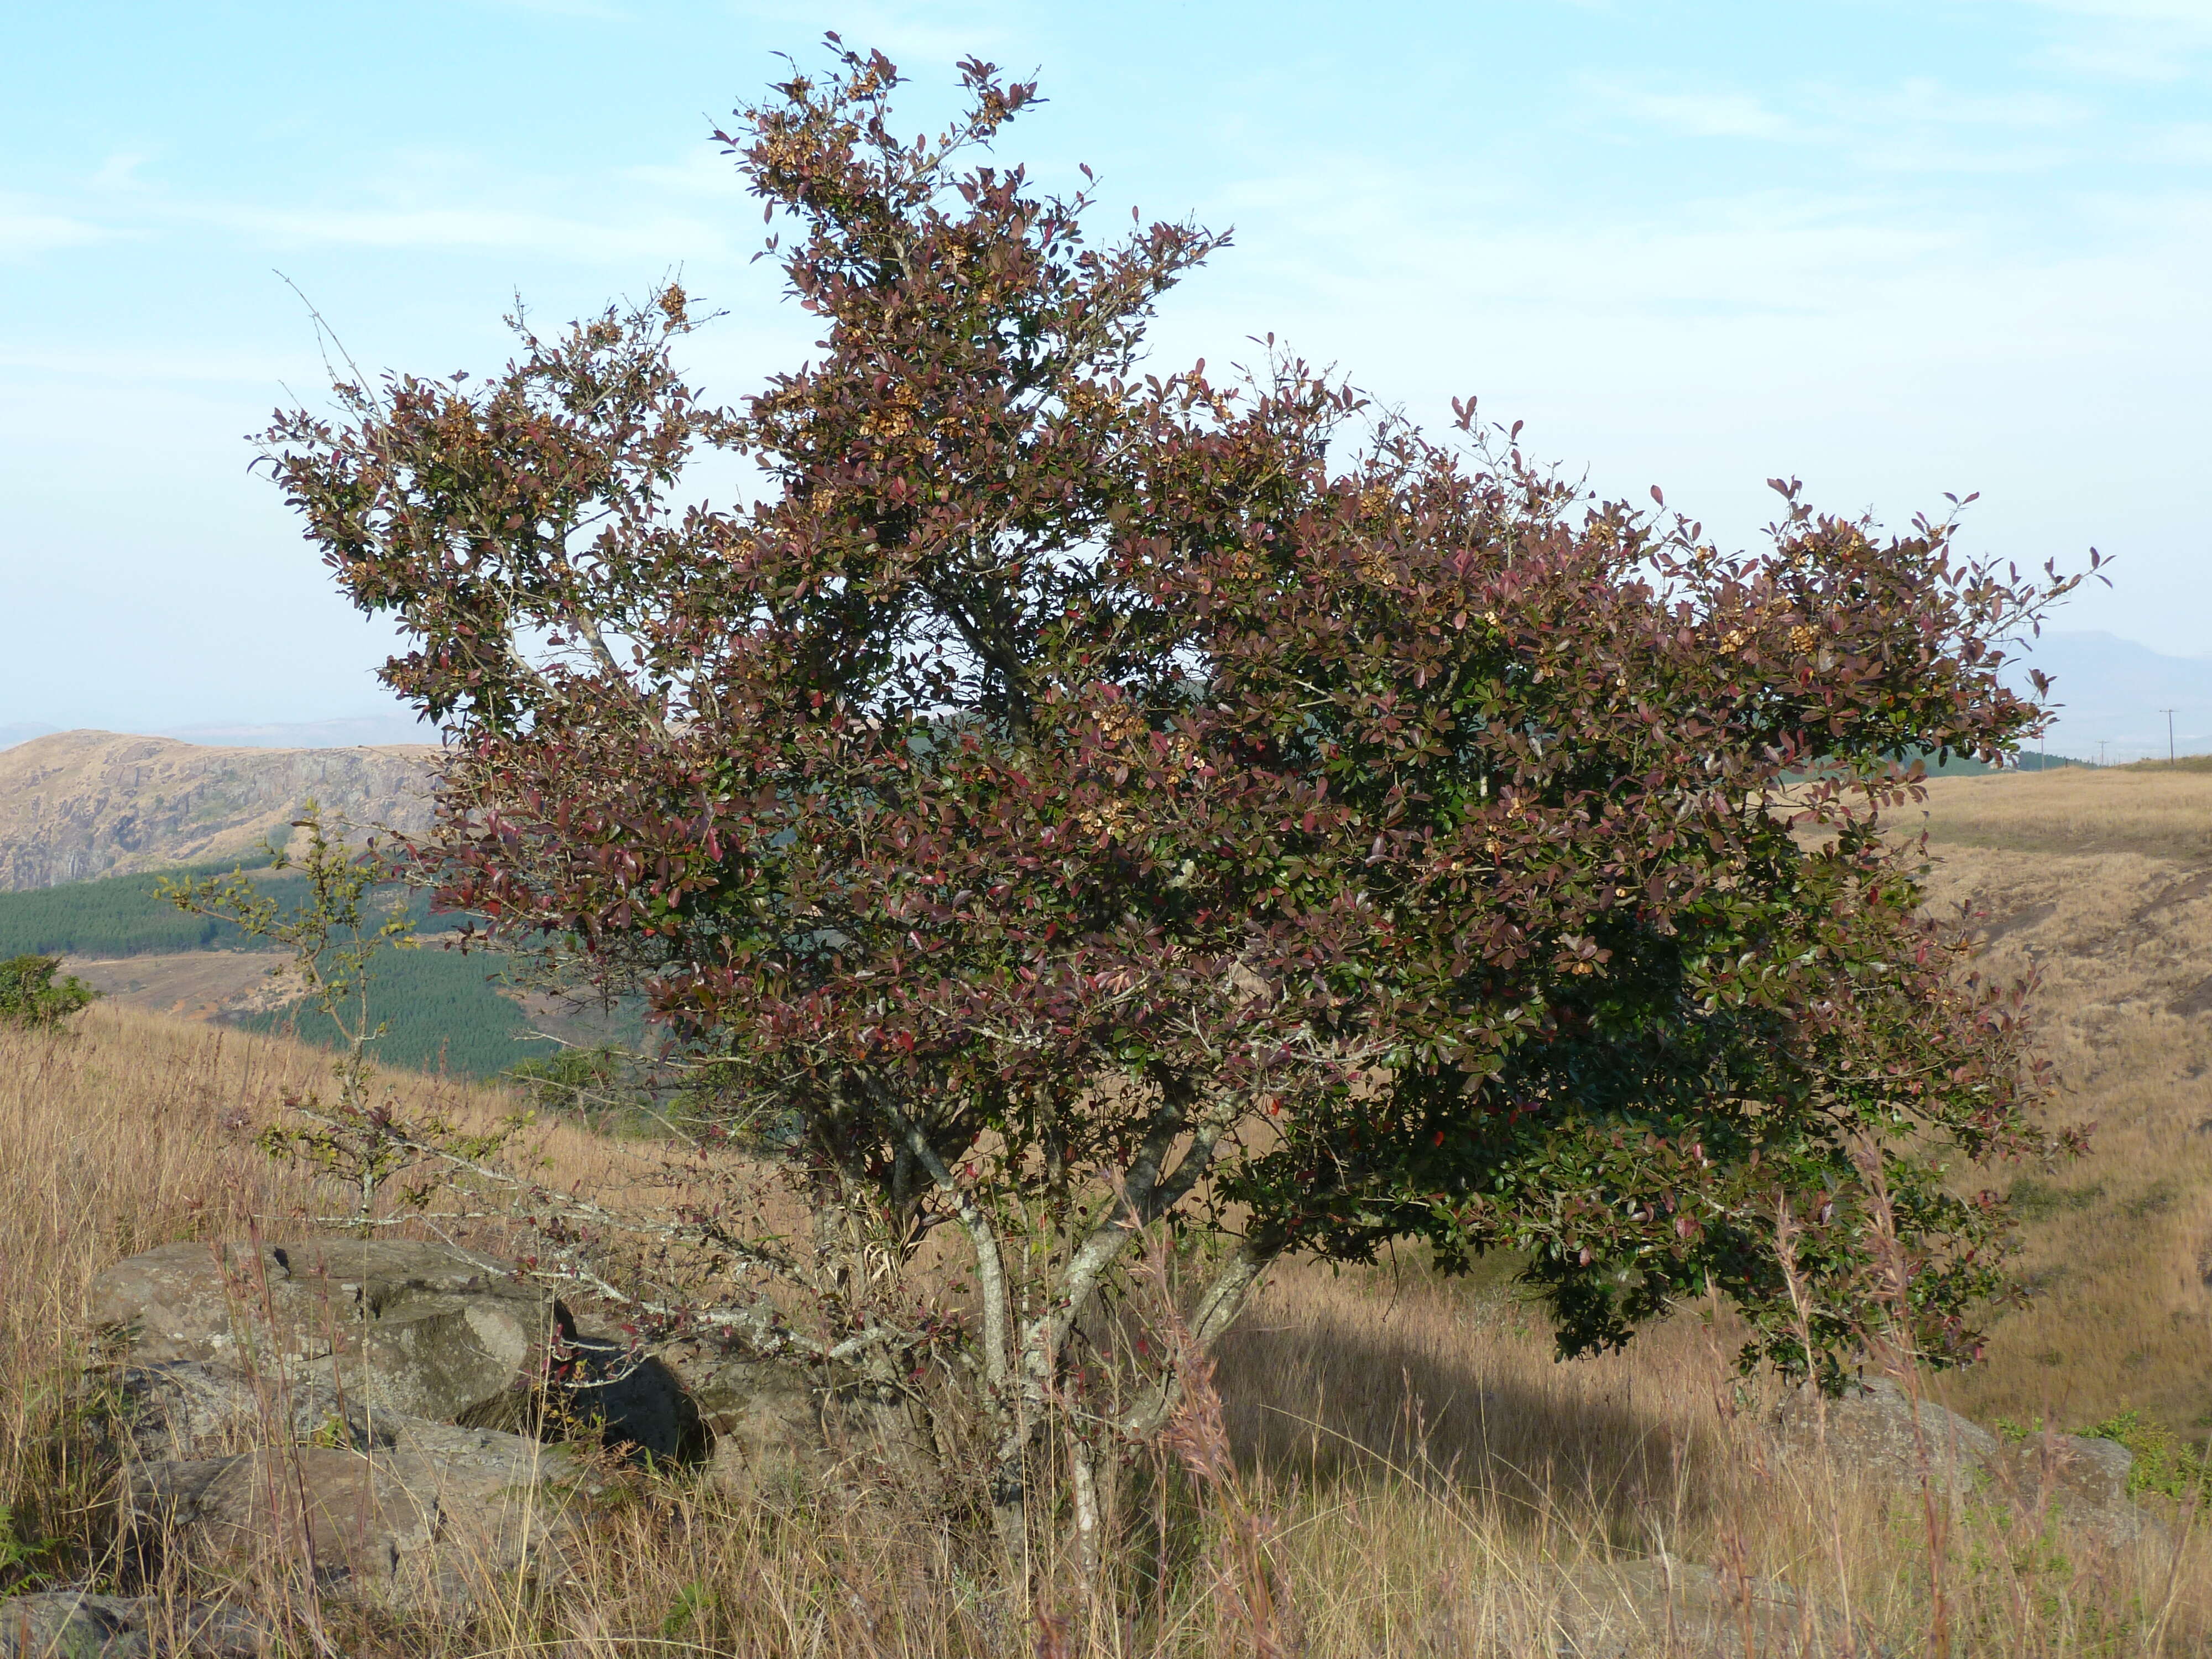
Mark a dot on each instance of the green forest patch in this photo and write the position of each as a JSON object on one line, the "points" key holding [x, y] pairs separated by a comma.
{"points": [[119, 916], [443, 1009]]}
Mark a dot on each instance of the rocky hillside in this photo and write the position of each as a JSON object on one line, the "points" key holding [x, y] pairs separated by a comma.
{"points": [[77, 805]]}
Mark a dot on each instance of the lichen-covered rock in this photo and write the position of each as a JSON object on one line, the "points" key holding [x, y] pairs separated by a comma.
{"points": [[445, 1516], [2083, 1481], [1879, 1430], [384, 1414], [183, 1409], [1655, 1603], [76, 1624], [397, 1326], [762, 1419]]}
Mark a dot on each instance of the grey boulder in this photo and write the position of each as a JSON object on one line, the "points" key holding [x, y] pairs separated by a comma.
{"points": [[183, 1409], [1878, 1430], [76, 1624], [335, 1338], [396, 1326], [763, 1420], [443, 1517], [1644, 1605]]}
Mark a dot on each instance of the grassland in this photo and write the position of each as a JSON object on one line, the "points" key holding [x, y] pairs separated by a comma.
{"points": [[2100, 883], [1421, 1479], [2155, 811]]}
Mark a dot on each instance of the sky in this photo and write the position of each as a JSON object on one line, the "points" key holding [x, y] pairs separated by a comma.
{"points": [[1895, 249]]}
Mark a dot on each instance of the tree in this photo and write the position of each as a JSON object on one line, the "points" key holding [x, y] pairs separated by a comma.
{"points": [[30, 995], [1075, 798], [333, 935]]}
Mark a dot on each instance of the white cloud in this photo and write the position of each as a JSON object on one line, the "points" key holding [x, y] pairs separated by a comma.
{"points": [[28, 231], [1827, 110], [2187, 144], [2144, 40], [1889, 343], [152, 365], [1708, 114], [2137, 58], [592, 9], [923, 37], [702, 172], [1924, 101], [119, 171], [2187, 15], [413, 200], [504, 230], [1930, 153], [1919, 125]]}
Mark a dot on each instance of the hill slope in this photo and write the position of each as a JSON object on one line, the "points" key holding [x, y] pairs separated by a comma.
{"points": [[2100, 883], [445, 1009], [77, 805]]}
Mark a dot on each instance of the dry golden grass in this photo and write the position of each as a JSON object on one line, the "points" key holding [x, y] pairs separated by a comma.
{"points": [[1417, 1476], [1344, 1382], [2156, 812], [2079, 877]]}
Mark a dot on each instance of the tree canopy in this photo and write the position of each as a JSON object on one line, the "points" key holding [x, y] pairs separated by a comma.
{"points": [[1073, 794]]}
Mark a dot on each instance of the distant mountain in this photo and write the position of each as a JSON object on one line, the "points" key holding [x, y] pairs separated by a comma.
{"points": [[357, 730], [366, 729], [75, 805], [2114, 692]]}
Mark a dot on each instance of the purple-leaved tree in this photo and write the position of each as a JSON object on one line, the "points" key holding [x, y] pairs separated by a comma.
{"points": [[1073, 798]]}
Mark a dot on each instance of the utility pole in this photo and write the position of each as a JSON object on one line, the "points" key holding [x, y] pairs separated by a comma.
{"points": [[2101, 742], [2168, 713]]}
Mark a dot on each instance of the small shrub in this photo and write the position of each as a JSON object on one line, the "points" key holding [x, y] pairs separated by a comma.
{"points": [[590, 1082], [2165, 1462], [30, 995]]}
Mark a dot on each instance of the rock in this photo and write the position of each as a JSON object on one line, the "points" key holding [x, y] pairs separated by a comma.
{"points": [[769, 1423], [761, 1420], [870, 1426], [444, 1514], [1876, 1429], [414, 1328], [182, 1409], [2083, 1481], [78, 804], [76, 1624], [1692, 1609], [365, 1330], [378, 1413], [639, 1403]]}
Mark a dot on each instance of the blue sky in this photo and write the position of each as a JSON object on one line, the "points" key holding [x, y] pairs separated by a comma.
{"points": [[1895, 248]]}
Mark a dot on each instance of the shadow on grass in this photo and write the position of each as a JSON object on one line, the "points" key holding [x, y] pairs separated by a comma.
{"points": [[1355, 1391]]}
